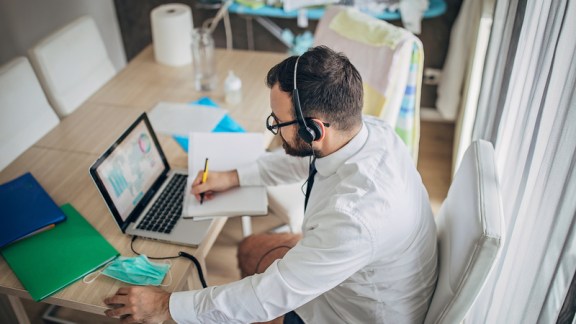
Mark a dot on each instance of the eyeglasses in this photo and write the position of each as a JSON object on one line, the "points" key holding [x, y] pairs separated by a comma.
{"points": [[273, 124]]}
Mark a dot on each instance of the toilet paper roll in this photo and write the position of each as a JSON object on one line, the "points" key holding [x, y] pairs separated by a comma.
{"points": [[171, 34]]}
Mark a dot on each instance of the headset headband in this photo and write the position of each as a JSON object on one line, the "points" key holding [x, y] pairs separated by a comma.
{"points": [[295, 70], [306, 132], [296, 99]]}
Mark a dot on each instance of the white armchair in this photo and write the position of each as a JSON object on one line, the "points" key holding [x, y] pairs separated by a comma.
{"points": [[72, 64], [470, 235], [390, 60], [25, 115]]}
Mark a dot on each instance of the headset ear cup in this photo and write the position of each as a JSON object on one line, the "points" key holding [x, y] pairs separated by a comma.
{"points": [[314, 126], [306, 133]]}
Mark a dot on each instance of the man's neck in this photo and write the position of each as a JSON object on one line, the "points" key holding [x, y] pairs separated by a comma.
{"points": [[335, 141]]}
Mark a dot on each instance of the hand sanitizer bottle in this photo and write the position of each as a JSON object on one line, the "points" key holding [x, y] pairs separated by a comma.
{"points": [[233, 89]]}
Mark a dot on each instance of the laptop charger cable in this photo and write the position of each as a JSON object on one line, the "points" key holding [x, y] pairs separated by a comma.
{"points": [[181, 254]]}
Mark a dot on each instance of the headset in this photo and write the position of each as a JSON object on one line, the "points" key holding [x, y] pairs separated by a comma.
{"points": [[307, 132]]}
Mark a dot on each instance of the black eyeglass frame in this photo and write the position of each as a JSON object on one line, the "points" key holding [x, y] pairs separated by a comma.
{"points": [[276, 127]]}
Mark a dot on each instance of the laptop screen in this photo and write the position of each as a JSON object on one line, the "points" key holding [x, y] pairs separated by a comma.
{"points": [[127, 172]]}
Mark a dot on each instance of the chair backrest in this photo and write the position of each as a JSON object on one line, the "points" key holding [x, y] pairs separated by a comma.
{"points": [[390, 60], [72, 63], [25, 115], [470, 235]]}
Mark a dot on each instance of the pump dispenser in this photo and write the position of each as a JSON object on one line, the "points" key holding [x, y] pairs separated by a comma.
{"points": [[233, 88]]}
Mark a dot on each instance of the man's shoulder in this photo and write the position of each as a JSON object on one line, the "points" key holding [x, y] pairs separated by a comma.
{"points": [[377, 123], [383, 139], [383, 159]]}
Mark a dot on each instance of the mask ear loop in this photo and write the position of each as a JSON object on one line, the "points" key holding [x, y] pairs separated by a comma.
{"points": [[169, 275], [86, 279]]}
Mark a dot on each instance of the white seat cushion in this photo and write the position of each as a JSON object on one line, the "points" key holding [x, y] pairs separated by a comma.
{"points": [[287, 202], [25, 115], [72, 64], [470, 235]]}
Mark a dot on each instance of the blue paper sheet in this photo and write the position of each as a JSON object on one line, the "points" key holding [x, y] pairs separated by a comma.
{"points": [[226, 125]]}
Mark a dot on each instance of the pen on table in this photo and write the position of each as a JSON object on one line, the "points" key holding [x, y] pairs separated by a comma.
{"points": [[204, 178]]}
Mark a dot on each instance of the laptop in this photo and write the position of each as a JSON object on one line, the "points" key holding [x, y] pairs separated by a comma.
{"points": [[143, 194]]}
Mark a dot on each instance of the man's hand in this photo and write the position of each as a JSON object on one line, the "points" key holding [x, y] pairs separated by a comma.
{"points": [[139, 305], [216, 181]]}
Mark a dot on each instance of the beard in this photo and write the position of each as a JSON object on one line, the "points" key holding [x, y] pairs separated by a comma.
{"points": [[299, 149]]}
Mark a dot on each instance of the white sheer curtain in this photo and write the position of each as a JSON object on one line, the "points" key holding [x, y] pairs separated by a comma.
{"points": [[527, 109]]}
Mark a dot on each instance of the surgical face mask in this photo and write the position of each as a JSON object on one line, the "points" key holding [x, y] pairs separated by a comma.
{"points": [[136, 271]]}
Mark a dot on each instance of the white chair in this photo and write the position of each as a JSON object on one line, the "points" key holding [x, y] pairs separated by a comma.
{"points": [[390, 60], [287, 202], [470, 235], [72, 64], [25, 115]]}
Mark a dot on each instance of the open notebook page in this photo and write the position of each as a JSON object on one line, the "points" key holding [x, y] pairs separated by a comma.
{"points": [[225, 151]]}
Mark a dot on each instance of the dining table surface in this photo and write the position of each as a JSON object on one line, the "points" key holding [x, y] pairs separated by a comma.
{"points": [[61, 159]]}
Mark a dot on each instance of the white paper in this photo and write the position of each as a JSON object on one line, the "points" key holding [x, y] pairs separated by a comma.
{"points": [[225, 151], [182, 119]]}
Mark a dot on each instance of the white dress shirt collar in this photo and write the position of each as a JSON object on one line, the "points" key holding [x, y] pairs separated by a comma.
{"points": [[329, 164]]}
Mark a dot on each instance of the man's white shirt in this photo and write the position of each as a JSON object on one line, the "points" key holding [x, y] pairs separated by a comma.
{"points": [[368, 251]]}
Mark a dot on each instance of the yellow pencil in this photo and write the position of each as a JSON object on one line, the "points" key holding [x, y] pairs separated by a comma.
{"points": [[204, 178]]}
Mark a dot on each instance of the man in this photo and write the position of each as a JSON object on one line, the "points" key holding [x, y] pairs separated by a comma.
{"points": [[368, 247]]}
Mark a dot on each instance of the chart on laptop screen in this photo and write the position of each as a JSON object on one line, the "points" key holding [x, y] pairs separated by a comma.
{"points": [[131, 169]]}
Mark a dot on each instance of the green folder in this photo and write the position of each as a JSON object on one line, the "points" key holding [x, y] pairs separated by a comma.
{"points": [[52, 260]]}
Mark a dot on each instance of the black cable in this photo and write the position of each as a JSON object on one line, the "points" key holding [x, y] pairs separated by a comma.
{"points": [[305, 184], [149, 257], [181, 254], [198, 267]]}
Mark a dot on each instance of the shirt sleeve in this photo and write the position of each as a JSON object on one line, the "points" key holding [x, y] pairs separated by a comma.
{"points": [[274, 168], [329, 254]]}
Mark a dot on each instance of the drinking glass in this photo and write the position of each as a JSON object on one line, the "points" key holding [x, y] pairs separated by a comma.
{"points": [[203, 60]]}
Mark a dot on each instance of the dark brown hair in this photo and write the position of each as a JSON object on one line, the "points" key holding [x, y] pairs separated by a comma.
{"points": [[329, 86]]}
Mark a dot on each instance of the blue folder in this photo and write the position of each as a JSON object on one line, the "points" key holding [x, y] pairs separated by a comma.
{"points": [[226, 125], [25, 209]]}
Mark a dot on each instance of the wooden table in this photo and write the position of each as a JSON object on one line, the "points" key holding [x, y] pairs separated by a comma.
{"points": [[61, 159]]}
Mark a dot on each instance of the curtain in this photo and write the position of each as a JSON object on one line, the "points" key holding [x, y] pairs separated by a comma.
{"points": [[527, 109]]}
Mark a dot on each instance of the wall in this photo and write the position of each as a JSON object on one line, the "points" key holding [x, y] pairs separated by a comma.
{"points": [[25, 22]]}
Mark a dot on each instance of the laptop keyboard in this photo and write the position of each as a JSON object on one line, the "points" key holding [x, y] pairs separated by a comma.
{"points": [[167, 209]]}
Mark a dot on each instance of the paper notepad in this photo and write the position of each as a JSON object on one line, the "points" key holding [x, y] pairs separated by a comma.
{"points": [[52, 260], [225, 151], [182, 119]]}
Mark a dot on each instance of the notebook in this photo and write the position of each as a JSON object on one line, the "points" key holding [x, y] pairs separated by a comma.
{"points": [[52, 260], [26, 208], [143, 194], [226, 125], [225, 151], [180, 119]]}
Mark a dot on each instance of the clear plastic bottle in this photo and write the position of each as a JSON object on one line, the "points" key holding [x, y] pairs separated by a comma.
{"points": [[233, 88]]}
